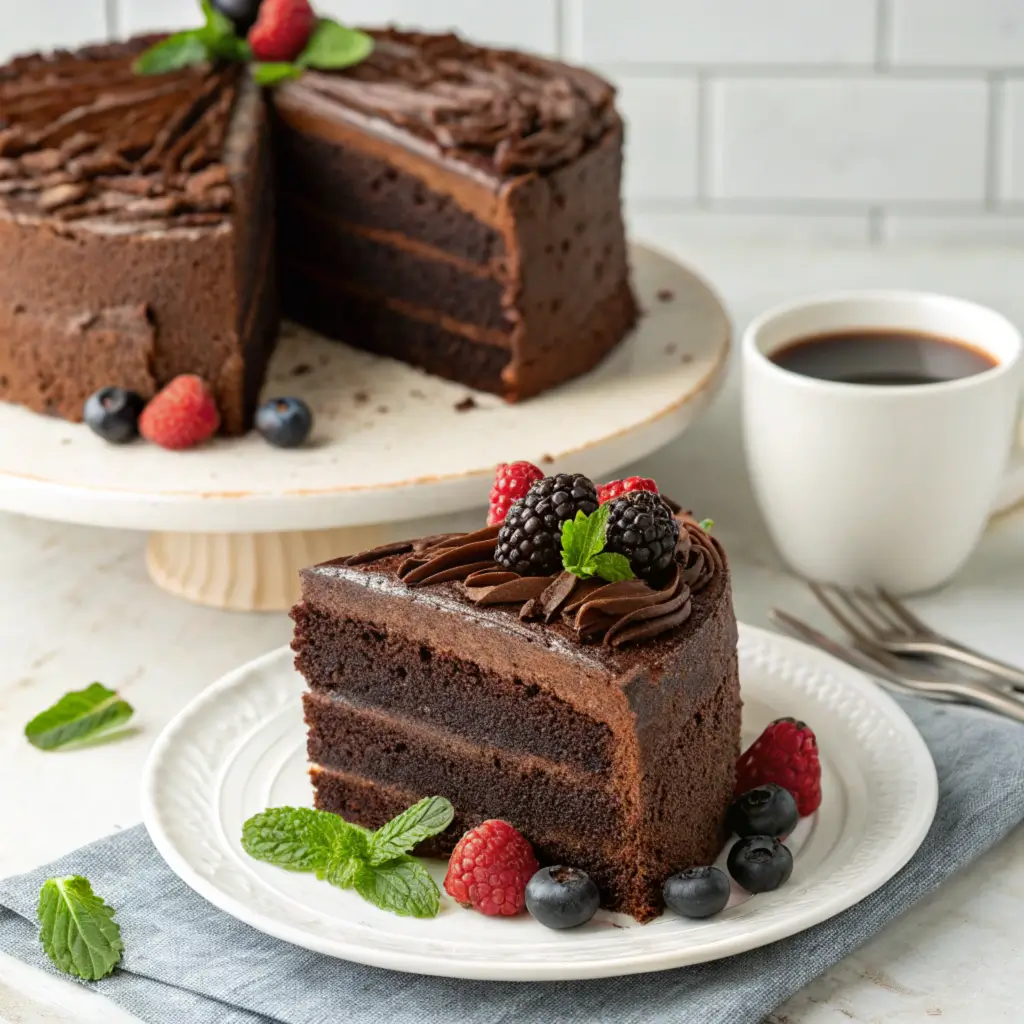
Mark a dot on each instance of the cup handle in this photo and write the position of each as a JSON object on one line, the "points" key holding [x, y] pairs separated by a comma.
{"points": [[1012, 490]]}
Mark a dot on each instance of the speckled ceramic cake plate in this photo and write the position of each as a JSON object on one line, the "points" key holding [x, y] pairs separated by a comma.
{"points": [[240, 747], [233, 521]]}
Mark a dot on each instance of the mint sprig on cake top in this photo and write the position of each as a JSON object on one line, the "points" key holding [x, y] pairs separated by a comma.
{"points": [[281, 38]]}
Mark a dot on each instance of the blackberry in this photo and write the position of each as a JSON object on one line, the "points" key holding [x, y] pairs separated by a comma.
{"points": [[530, 540], [641, 527]]}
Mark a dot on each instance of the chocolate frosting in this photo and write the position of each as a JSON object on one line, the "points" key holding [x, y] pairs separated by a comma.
{"points": [[617, 614], [500, 110], [83, 136]]}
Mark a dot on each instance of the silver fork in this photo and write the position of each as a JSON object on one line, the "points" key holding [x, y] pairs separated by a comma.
{"points": [[903, 681], [879, 620]]}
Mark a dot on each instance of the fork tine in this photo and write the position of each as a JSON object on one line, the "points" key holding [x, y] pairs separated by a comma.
{"points": [[889, 622], [905, 614], [821, 594], [850, 599]]}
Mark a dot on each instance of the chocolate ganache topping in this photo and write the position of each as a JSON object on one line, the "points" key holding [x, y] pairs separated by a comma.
{"points": [[613, 613], [497, 109], [82, 136]]}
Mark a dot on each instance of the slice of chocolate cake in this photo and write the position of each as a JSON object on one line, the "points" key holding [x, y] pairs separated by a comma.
{"points": [[600, 719], [136, 230], [456, 207]]}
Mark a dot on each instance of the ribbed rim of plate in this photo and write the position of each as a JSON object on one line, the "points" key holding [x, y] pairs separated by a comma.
{"points": [[889, 751]]}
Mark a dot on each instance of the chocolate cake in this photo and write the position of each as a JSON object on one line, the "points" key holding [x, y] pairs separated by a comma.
{"points": [[600, 719], [450, 205]]}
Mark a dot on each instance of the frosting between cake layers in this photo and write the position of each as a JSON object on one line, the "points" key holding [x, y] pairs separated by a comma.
{"points": [[617, 614]]}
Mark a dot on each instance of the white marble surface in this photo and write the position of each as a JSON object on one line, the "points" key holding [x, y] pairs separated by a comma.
{"points": [[77, 606]]}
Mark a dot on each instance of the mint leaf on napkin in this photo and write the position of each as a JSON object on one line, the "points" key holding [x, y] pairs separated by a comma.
{"points": [[77, 929], [583, 553], [421, 821], [375, 864], [78, 715], [334, 46]]}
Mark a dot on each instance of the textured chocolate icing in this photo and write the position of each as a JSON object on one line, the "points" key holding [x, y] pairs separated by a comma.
{"points": [[83, 136], [499, 110]]}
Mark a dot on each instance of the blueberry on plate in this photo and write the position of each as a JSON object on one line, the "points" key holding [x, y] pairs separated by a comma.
{"points": [[113, 414], [697, 892], [284, 422], [760, 863], [562, 897], [767, 810]]}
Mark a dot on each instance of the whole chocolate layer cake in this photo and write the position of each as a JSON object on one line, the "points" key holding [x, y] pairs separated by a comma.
{"points": [[601, 719], [450, 205]]}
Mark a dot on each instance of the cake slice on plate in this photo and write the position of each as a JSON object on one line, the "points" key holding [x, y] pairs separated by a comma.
{"points": [[600, 718]]}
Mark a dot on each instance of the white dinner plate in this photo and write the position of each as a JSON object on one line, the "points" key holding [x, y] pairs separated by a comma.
{"points": [[240, 747]]}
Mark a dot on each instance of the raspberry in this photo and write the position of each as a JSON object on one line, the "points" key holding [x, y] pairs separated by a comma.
{"points": [[511, 480], [489, 869], [616, 488], [786, 753], [282, 30], [530, 539], [641, 527], [183, 415]]}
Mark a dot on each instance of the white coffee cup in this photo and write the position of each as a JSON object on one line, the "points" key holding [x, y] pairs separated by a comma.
{"points": [[875, 484]]}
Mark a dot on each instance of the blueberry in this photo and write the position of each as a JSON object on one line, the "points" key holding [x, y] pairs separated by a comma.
{"points": [[697, 892], [767, 810], [760, 863], [284, 422], [241, 13], [113, 414], [562, 897]]}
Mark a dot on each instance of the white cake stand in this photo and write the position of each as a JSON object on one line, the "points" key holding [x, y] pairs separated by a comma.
{"points": [[232, 522]]}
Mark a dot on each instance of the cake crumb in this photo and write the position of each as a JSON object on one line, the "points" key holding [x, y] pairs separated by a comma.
{"points": [[671, 349], [382, 409], [666, 295], [466, 405], [687, 358], [416, 393], [547, 459], [360, 398], [301, 370]]}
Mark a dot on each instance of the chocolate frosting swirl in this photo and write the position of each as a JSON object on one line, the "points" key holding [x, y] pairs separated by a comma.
{"points": [[497, 109], [82, 136], [616, 614]]}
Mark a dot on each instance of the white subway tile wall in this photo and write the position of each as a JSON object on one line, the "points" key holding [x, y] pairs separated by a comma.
{"points": [[806, 120]]}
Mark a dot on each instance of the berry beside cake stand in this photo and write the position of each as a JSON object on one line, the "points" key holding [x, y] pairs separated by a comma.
{"points": [[231, 522]]}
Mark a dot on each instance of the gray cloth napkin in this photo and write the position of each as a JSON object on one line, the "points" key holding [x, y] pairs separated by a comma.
{"points": [[186, 962]]}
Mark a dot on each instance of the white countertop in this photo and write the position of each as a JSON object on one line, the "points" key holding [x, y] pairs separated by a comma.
{"points": [[77, 606]]}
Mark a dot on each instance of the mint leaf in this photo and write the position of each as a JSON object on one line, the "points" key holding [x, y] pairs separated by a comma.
{"points": [[300, 839], [343, 872], [582, 539], [613, 567], [269, 74], [706, 524], [334, 46], [77, 929], [217, 24], [78, 715], [401, 886], [177, 51], [421, 821]]}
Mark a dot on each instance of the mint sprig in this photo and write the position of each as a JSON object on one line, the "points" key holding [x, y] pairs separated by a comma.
{"points": [[375, 864], [78, 715], [583, 554], [706, 524], [77, 929], [330, 46]]}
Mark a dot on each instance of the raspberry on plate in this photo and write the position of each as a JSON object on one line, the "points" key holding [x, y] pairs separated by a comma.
{"points": [[616, 488], [511, 481], [282, 30], [181, 416], [786, 753], [489, 869]]}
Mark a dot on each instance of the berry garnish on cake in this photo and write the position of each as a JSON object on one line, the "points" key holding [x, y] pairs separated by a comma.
{"points": [[282, 30], [113, 414], [616, 488], [562, 897], [241, 13], [786, 753], [182, 415], [642, 527], [490, 868], [511, 481], [284, 422]]}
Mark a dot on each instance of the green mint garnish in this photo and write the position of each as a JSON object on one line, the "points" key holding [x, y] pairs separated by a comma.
{"points": [[375, 864], [583, 554], [706, 524], [78, 715], [330, 46], [77, 929]]}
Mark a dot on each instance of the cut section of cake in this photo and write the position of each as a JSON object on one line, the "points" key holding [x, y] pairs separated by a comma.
{"points": [[136, 231], [456, 207], [600, 719]]}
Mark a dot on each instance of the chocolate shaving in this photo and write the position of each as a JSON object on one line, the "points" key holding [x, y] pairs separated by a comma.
{"points": [[523, 588], [551, 601], [491, 578], [470, 554], [376, 554]]}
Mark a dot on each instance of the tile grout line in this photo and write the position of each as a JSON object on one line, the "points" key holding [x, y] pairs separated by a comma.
{"points": [[559, 12], [876, 225], [113, 17], [703, 155], [994, 140], [883, 35]]}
